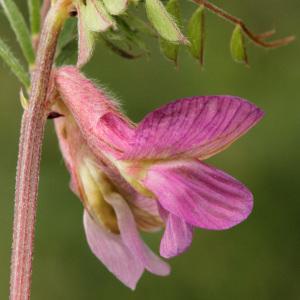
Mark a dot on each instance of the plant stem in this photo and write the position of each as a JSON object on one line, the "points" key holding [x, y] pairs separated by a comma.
{"points": [[32, 131]]}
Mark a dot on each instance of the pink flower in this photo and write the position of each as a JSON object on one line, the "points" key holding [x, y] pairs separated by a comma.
{"points": [[138, 177]]}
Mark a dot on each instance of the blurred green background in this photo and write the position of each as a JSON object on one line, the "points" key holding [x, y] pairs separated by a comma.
{"points": [[258, 259]]}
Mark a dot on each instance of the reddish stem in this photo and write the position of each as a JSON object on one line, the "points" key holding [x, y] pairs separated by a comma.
{"points": [[32, 132], [44, 10], [258, 39]]}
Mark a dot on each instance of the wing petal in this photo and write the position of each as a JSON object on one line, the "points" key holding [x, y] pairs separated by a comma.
{"points": [[199, 194]]}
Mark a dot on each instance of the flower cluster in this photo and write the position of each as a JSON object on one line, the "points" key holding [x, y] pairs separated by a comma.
{"points": [[147, 176]]}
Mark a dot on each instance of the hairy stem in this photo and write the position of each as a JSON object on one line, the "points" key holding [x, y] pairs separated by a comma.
{"points": [[257, 39], [32, 131]]}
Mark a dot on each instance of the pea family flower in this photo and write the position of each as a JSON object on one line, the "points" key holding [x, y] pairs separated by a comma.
{"points": [[133, 178]]}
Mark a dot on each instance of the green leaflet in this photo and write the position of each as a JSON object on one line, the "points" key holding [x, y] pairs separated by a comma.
{"points": [[96, 16], [116, 7], [196, 33], [163, 22], [14, 64], [68, 33], [67, 44], [135, 2], [125, 42], [139, 25], [86, 39], [237, 46], [20, 28], [34, 14], [169, 49], [68, 54], [124, 53]]}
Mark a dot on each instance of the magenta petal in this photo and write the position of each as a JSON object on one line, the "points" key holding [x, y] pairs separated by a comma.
{"points": [[177, 237], [193, 127], [199, 194], [114, 254], [86, 102], [95, 113], [67, 151], [115, 130], [145, 212], [131, 237]]}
